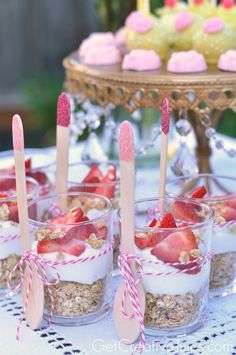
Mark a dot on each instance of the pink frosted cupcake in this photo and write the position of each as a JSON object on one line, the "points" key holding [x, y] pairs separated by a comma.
{"points": [[186, 62], [141, 60], [102, 55], [227, 61], [96, 39]]}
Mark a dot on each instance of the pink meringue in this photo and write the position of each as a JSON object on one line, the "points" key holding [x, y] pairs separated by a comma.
{"points": [[140, 60], [227, 61], [120, 40], [94, 40], [183, 20], [102, 55], [139, 22], [186, 62], [213, 25]]}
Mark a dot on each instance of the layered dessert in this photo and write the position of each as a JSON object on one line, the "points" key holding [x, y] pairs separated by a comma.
{"points": [[175, 267], [84, 287], [223, 265], [37, 166], [101, 179], [10, 243]]}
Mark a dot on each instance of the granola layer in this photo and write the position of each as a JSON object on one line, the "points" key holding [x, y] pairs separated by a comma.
{"points": [[75, 299], [116, 250], [222, 270], [6, 266], [167, 311]]}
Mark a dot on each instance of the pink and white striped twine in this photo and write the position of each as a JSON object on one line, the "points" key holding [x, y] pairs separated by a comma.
{"points": [[32, 260], [9, 238], [125, 266]]}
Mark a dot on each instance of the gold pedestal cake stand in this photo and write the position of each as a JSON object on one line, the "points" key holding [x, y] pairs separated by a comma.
{"points": [[202, 95]]}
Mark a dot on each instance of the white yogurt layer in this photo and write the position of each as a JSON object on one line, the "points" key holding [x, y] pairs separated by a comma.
{"points": [[224, 240], [178, 284], [87, 272], [11, 247]]}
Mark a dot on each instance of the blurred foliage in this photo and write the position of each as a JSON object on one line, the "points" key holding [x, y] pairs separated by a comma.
{"points": [[227, 123], [112, 13], [41, 94]]}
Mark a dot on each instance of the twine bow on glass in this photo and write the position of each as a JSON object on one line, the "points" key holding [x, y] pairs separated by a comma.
{"points": [[125, 266], [32, 260], [130, 290]]}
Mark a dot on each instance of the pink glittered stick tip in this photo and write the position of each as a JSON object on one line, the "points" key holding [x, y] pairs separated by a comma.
{"points": [[165, 120], [17, 133], [126, 142], [63, 110]]}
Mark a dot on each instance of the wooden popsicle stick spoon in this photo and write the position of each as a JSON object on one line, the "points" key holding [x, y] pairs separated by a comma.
{"points": [[127, 329], [165, 125], [35, 307], [63, 122]]}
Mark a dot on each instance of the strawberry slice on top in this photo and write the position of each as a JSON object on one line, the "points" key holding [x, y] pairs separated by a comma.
{"points": [[150, 239], [227, 212], [177, 247], [73, 247], [94, 172], [107, 187], [199, 192], [75, 215], [186, 212]]}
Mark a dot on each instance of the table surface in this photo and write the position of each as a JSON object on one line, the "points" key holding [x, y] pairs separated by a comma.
{"points": [[218, 336]]}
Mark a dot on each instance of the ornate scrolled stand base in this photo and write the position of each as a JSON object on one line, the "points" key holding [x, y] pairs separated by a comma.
{"points": [[199, 94]]}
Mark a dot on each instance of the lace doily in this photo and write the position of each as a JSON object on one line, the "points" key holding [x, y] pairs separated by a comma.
{"points": [[217, 336]]}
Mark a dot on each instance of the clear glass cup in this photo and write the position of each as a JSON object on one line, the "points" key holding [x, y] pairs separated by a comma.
{"points": [[82, 229], [111, 189], [40, 169], [10, 242], [221, 196], [176, 265]]}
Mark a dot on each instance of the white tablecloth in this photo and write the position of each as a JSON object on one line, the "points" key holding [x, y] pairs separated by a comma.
{"points": [[218, 336]]}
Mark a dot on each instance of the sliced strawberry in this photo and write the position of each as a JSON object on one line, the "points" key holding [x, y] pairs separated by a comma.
{"points": [[8, 184], [185, 212], [169, 249], [167, 221], [28, 165], [13, 213], [107, 187], [199, 192], [73, 216], [94, 172], [94, 181], [73, 246], [141, 240], [39, 176], [227, 212], [80, 232], [153, 223], [3, 195], [101, 232], [231, 201]]}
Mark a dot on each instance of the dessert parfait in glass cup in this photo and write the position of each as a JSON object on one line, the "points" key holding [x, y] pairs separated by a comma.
{"points": [[77, 243], [10, 242], [101, 178], [218, 192], [175, 256], [39, 165]]}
